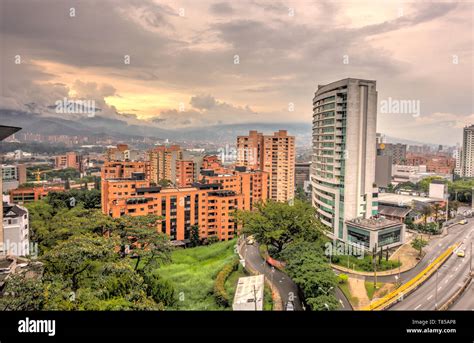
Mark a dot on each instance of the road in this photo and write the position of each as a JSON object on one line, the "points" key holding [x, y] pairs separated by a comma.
{"points": [[434, 249], [286, 287], [466, 301], [448, 278]]}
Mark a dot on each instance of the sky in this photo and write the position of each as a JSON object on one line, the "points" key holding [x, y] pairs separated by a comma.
{"points": [[178, 64]]}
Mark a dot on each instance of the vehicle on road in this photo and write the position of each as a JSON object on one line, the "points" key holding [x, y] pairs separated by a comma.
{"points": [[250, 240], [290, 306], [463, 222], [460, 253]]}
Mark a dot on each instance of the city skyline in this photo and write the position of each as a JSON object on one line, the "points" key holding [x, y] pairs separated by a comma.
{"points": [[251, 62]]}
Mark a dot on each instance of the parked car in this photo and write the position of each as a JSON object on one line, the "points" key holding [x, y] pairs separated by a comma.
{"points": [[460, 253], [463, 222]]}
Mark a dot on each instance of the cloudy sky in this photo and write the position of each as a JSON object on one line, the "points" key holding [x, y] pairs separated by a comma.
{"points": [[197, 63]]}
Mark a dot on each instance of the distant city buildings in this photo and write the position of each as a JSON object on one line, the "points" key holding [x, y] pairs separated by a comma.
{"points": [[274, 154], [302, 179], [30, 194], [343, 170]]}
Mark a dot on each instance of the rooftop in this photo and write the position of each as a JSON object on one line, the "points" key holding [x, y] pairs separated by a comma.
{"points": [[403, 199], [373, 223]]}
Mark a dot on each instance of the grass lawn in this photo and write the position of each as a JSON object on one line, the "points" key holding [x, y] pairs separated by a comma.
{"points": [[193, 271], [345, 289], [364, 264], [369, 286]]}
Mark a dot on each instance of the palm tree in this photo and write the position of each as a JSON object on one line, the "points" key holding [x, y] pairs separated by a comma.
{"points": [[426, 211]]}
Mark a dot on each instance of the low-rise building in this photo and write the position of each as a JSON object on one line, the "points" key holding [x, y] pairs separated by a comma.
{"points": [[249, 293], [25, 195], [15, 230], [377, 232]]}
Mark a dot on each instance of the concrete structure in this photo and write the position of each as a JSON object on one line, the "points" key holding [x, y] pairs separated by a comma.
{"points": [[383, 171], [375, 232], [249, 294], [344, 154], [16, 230], [438, 190], [163, 163], [274, 154], [467, 160], [5, 132]]}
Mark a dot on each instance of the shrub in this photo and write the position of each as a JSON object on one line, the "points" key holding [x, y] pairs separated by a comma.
{"points": [[222, 298], [342, 278]]}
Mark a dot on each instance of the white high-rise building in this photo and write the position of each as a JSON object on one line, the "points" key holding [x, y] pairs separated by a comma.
{"points": [[343, 167], [467, 159], [457, 155]]}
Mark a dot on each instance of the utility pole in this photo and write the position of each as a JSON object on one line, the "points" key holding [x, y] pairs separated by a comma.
{"points": [[470, 261], [436, 291], [399, 270]]}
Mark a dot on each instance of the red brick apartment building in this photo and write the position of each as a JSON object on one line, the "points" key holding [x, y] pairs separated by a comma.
{"points": [[204, 205], [25, 195]]}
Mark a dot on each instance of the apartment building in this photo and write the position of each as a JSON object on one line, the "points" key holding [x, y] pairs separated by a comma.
{"points": [[69, 160], [122, 152], [124, 169], [343, 168], [467, 159], [16, 231], [204, 205], [251, 184], [163, 162], [397, 152], [5, 132], [274, 154], [13, 176], [185, 173]]}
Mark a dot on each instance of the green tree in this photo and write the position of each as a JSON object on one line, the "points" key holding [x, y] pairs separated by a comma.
{"points": [[419, 243], [194, 236], [145, 243], [277, 224]]}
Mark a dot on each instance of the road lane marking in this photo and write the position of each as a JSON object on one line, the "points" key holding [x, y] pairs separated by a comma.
{"points": [[446, 281], [431, 296], [439, 288], [342, 303], [416, 308]]}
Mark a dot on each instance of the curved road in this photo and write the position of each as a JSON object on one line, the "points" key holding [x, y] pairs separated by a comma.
{"points": [[283, 283]]}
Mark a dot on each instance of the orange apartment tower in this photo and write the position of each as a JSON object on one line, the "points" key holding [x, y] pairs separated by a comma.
{"points": [[163, 162], [274, 154]]}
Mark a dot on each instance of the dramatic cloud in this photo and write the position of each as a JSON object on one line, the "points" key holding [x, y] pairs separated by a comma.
{"points": [[196, 63]]}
